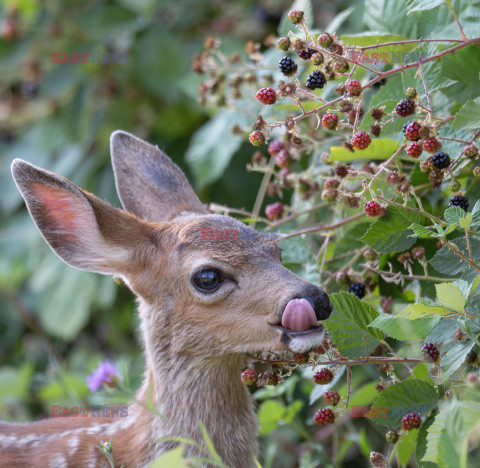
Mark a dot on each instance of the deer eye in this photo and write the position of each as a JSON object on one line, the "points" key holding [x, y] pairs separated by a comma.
{"points": [[207, 280]]}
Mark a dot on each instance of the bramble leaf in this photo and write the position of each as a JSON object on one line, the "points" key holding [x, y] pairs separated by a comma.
{"points": [[450, 296]]}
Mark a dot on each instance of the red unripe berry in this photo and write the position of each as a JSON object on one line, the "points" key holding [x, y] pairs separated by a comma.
{"points": [[267, 96], [411, 132], [274, 211], [372, 208], [430, 351], [324, 416], [249, 376], [361, 140], [323, 376], [270, 378], [330, 121], [470, 151], [331, 397], [257, 138], [430, 145], [301, 358], [274, 147], [448, 394], [411, 421], [414, 150], [354, 87], [295, 16], [325, 40]]}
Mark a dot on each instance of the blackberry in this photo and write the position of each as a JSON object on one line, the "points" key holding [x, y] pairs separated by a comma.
{"points": [[341, 66], [324, 416], [441, 160], [315, 80], [325, 40], [331, 397], [392, 436], [354, 87], [430, 145], [405, 108], [305, 54], [459, 200], [317, 58], [411, 131], [295, 16], [411, 93], [249, 376], [470, 151], [330, 121], [361, 140], [414, 150], [358, 289], [284, 43], [430, 351], [270, 378], [257, 138], [287, 66], [267, 96], [301, 358], [372, 208], [323, 376], [411, 421], [378, 460], [379, 83]]}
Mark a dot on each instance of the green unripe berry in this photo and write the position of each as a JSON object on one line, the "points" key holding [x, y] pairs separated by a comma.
{"points": [[411, 93], [476, 171], [295, 16], [391, 436], [455, 186], [317, 58], [284, 43]]}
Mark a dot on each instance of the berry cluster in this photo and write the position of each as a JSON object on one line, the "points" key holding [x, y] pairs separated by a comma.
{"points": [[324, 416], [430, 351], [405, 108], [392, 436], [315, 80], [459, 200], [287, 66], [361, 140], [267, 96], [372, 208], [358, 289], [249, 376], [441, 160], [330, 121], [331, 397]]}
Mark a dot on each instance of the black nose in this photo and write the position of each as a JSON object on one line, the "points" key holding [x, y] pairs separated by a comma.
{"points": [[319, 300]]}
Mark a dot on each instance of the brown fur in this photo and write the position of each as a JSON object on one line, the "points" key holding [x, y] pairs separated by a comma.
{"points": [[193, 342]]}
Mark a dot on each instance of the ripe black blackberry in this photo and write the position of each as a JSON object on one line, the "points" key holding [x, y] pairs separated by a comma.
{"points": [[316, 79], [287, 66], [405, 108], [358, 289], [430, 351], [459, 200], [441, 160]]}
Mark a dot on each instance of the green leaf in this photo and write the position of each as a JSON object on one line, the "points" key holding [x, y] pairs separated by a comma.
{"points": [[422, 5], [455, 357], [406, 446], [450, 296], [379, 149], [348, 323], [339, 20], [476, 214], [172, 458], [468, 117], [409, 396], [390, 233], [415, 311], [404, 329], [212, 146], [466, 221], [447, 262], [295, 250], [422, 231], [422, 439], [454, 214], [272, 413]]}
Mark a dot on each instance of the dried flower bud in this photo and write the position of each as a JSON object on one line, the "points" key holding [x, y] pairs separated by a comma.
{"points": [[378, 460], [418, 253], [377, 113], [375, 130], [352, 201], [341, 171]]}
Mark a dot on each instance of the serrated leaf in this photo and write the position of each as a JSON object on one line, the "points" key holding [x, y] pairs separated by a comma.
{"points": [[422, 5], [454, 214], [447, 262], [379, 149], [455, 357], [422, 438], [468, 117], [450, 229], [349, 320], [404, 329], [390, 233], [295, 250], [422, 231], [476, 214], [450, 296], [406, 446], [409, 396], [415, 311], [466, 221]]}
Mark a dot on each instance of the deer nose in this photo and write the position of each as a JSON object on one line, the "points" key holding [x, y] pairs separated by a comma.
{"points": [[319, 300]]}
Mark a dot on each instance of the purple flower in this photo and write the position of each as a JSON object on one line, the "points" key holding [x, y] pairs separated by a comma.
{"points": [[104, 373]]}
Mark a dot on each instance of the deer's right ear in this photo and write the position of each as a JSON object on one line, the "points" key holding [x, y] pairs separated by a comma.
{"points": [[84, 231], [148, 183]]}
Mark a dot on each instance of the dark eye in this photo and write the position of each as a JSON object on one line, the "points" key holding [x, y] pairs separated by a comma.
{"points": [[207, 280]]}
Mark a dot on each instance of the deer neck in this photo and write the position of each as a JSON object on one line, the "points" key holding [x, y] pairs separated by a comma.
{"points": [[188, 390]]}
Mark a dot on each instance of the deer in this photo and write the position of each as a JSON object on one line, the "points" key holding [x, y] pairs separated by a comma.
{"points": [[203, 302]]}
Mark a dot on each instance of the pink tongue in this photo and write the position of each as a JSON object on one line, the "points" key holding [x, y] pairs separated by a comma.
{"points": [[298, 315]]}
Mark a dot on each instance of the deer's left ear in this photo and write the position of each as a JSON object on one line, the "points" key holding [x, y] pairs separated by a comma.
{"points": [[84, 231]]}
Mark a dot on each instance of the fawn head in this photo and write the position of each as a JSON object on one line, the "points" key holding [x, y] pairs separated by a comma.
{"points": [[207, 283]]}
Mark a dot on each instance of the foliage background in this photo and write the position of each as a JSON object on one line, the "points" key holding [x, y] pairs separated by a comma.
{"points": [[57, 323]]}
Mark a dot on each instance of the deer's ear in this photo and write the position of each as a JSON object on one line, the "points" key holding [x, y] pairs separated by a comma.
{"points": [[84, 231], [149, 184]]}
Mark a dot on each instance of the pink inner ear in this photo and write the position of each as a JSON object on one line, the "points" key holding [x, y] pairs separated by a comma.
{"points": [[60, 207]]}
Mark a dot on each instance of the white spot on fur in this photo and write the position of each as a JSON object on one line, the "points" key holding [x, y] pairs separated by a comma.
{"points": [[92, 459], [58, 461], [73, 444], [95, 430]]}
